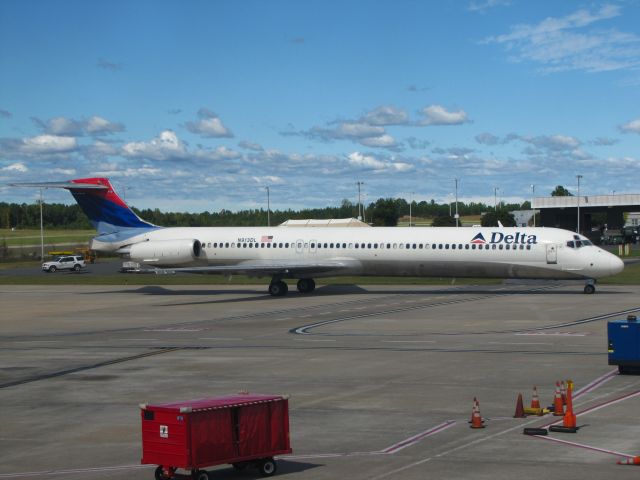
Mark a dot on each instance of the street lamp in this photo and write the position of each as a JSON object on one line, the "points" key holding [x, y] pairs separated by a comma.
{"points": [[410, 202], [533, 195], [359, 202], [268, 208], [578, 177], [41, 231], [495, 198], [457, 216]]}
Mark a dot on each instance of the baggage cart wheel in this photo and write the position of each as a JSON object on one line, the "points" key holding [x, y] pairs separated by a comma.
{"points": [[267, 467], [200, 475], [158, 473]]}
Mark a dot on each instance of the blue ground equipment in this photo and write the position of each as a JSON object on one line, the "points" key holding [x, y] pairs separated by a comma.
{"points": [[624, 344]]}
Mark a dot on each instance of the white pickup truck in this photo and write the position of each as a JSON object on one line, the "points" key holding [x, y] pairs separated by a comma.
{"points": [[69, 262]]}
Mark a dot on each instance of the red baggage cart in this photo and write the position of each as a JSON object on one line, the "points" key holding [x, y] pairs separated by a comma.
{"points": [[241, 430]]}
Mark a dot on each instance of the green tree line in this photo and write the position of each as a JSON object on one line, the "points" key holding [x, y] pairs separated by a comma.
{"points": [[381, 212]]}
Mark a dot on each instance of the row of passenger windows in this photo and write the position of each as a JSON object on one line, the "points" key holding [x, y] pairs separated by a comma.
{"points": [[374, 246]]}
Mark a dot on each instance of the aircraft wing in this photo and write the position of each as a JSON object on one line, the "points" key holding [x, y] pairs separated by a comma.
{"points": [[261, 269]]}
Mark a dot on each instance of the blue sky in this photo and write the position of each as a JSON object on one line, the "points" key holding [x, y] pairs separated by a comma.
{"points": [[199, 105]]}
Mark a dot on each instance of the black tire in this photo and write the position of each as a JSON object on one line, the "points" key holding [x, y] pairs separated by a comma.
{"points": [[589, 289], [76, 268], [278, 289], [535, 431], [200, 475], [158, 473], [52, 269], [306, 285], [267, 467], [621, 370]]}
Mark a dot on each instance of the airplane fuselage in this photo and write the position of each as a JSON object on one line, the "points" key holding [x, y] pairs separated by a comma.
{"points": [[432, 252]]}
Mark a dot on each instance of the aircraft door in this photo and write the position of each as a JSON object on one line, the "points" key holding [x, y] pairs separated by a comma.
{"points": [[552, 253]]}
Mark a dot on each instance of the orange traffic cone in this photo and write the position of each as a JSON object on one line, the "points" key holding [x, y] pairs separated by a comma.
{"points": [[629, 461], [558, 404], [535, 401], [473, 409], [519, 408], [569, 419], [476, 419]]}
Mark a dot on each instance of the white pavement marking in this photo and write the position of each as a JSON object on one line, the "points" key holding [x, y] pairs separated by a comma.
{"points": [[589, 387], [222, 339], [586, 447], [519, 343], [408, 341], [312, 340]]}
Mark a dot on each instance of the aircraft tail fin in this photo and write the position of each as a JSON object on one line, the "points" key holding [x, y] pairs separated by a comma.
{"points": [[107, 212]]}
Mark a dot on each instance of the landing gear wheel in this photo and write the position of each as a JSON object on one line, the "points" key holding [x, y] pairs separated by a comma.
{"points": [[267, 467], [306, 285], [278, 288], [589, 289], [52, 268]]}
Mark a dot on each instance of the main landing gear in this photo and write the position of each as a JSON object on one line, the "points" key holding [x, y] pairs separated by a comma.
{"points": [[278, 288], [590, 287]]}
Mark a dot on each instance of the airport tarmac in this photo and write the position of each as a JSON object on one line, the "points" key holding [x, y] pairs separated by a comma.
{"points": [[381, 378]]}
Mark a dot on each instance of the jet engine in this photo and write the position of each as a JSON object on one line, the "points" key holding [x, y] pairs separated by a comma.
{"points": [[166, 253]]}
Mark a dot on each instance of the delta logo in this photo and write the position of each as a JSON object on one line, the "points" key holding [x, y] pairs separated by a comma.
{"points": [[518, 238]]}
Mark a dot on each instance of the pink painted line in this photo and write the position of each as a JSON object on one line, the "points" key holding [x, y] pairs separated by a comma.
{"points": [[586, 447], [416, 438], [596, 383]]}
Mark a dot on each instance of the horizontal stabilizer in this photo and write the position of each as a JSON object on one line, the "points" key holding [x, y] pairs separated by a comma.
{"points": [[68, 185]]}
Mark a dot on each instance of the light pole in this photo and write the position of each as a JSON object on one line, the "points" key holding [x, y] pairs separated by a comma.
{"points": [[495, 198], [359, 202], [578, 177], [268, 208], [457, 216], [533, 195], [41, 231], [410, 202]]}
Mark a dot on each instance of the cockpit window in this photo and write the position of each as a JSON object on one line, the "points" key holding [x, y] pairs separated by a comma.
{"points": [[579, 242], [570, 244]]}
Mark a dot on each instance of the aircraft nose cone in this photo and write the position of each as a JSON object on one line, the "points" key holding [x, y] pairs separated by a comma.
{"points": [[616, 265]]}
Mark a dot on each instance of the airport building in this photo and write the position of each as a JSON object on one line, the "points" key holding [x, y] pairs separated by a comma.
{"points": [[562, 212]]}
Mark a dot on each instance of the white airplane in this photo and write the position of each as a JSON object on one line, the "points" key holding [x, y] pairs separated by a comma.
{"points": [[308, 253]]}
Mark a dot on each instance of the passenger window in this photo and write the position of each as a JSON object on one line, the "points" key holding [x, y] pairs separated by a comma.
{"points": [[493, 247], [401, 246], [440, 247], [395, 245], [226, 245], [528, 247], [388, 246], [357, 245], [453, 246], [369, 245], [313, 245], [351, 245], [337, 245], [331, 245], [233, 245], [500, 246], [362, 245], [446, 246], [414, 246], [286, 245], [420, 246]]}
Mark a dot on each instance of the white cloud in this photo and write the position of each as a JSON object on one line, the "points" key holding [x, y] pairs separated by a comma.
{"points": [[631, 127], [62, 171], [100, 126], [209, 125], [357, 159], [383, 141], [15, 167], [166, 146], [438, 115], [386, 115], [95, 125], [44, 144], [482, 6], [256, 147], [269, 180], [566, 43]]}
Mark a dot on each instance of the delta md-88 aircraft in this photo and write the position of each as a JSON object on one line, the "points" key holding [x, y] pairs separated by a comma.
{"points": [[306, 253]]}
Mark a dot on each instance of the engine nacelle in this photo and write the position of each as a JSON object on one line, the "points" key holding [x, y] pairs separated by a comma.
{"points": [[166, 253]]}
